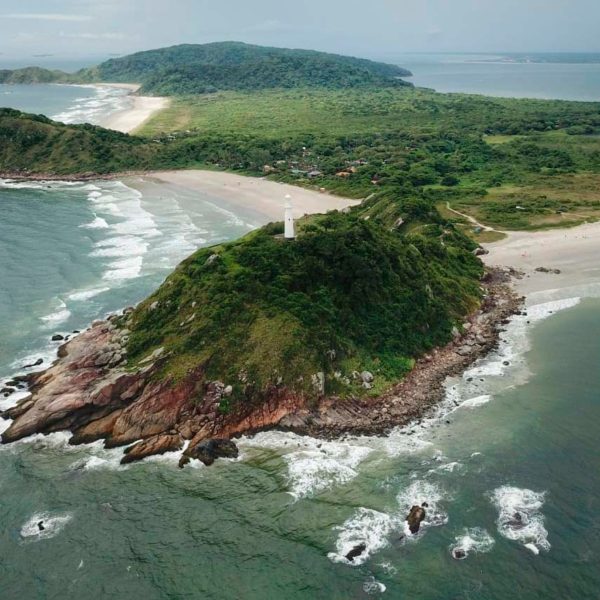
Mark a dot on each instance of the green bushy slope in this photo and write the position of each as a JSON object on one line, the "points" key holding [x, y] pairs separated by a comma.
{"points": [[346, 295], [35, 144], [33, 75]]}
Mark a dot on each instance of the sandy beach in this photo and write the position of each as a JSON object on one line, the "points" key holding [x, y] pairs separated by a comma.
{"points": [[575, 252], [261, 195], [142, 108]]}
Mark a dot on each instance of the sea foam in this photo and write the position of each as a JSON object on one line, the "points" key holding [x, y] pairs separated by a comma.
{"points": [[93, 109], [313, 465], [52, 525], [368, 527], [474, 540], [57, 316], [416, 494], [520, 518]]}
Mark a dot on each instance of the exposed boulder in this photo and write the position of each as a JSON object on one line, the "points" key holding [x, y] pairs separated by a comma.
{"points": [[415, 517], [208, 451], [318, 382], [96, 430], [367, 377], [57, 337], [159, 444], [356, 551], [37, 363]]}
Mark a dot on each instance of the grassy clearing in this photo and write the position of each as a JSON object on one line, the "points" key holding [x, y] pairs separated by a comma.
{"points": [[559, 201]]}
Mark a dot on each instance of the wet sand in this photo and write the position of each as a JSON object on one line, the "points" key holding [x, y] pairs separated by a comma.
{"points": [[575, 252], [142, 109], [260, 195]]}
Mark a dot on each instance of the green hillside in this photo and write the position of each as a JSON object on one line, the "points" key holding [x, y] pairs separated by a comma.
{"points": [[347, 295], [35, 144], [34, 75], [198, 69], [371, 289]]}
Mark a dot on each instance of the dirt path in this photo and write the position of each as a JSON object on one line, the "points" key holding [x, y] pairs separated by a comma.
{"points": [[472, 220]]}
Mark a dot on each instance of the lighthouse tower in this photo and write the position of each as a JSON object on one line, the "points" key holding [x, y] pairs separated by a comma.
{"points": [[289, 233]]}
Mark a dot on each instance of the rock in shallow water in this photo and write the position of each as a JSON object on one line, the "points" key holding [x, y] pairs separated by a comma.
{"points": [[208, 451], [414, 519], [356, 551], [158, 444], [37, 363]]}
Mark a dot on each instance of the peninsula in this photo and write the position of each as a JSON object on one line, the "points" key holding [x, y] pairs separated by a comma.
{"points": [[354, 325]]}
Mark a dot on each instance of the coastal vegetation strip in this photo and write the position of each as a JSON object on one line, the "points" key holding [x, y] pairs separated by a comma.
{"points": [[414, 142], [409, 147]]}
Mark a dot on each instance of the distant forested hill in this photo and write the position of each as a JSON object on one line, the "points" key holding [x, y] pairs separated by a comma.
{"points": [[196, 69], [33, 75]]}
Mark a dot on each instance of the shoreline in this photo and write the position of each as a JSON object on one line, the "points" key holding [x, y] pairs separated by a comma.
{"points": [[133, 410], [142, 109], [572, 251], [555, 264], [410, 401], [259, 194]]}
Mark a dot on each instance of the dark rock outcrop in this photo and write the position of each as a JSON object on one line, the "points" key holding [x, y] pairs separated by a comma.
{"points": [[414, 519], [356, 551], [93, 392], [37, 363], [208, 451]]}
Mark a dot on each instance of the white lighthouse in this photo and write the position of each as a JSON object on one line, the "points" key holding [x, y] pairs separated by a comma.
{"points": [[289, 233]]}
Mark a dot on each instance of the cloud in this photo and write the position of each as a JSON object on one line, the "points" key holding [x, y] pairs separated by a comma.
{"points": [[46, 17], [268, 26], [96, 36]]}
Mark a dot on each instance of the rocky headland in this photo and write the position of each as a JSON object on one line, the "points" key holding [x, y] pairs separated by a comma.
{"points": [[94, 393]]}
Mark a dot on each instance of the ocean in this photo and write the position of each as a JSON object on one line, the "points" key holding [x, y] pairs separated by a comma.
{"points": [[65, 103], [502, 75], [507, 464]]}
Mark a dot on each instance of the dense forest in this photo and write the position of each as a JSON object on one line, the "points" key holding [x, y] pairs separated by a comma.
{"points": [[199, 69], [207, 68], [31, 144]]}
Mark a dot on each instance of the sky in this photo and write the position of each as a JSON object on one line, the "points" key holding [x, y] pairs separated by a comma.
{"points": [[371, 28]]}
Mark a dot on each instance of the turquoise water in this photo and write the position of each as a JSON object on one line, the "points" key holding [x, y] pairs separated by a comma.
{"points": [[65, 103], [479, 74], [73, 252], [277, 522]]}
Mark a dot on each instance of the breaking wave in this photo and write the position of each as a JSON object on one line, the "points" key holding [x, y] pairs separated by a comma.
{"points": [[520, 518]]}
